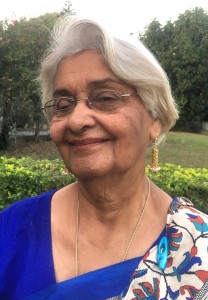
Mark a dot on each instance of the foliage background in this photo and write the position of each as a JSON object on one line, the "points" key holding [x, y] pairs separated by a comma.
{"points": [[21, 48], [25, 177], [22, 45], [181, 47]]}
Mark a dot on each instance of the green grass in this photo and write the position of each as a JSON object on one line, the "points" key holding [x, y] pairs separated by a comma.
{"points": [[184, 149]]}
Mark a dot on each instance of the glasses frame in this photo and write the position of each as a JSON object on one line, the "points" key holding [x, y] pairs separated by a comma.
{"points": [[88, 100]]}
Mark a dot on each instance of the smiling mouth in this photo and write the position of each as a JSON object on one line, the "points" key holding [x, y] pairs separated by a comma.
{"points": [[86, 142]]}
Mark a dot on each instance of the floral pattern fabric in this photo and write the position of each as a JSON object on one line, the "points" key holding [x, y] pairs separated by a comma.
{"points": [[186, 272]]}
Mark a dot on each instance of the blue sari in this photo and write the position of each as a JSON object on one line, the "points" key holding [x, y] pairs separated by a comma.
{"points": [[26, 260], [101, 284]]}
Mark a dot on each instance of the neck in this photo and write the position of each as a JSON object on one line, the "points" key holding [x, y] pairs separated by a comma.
{"points": [[112, 198], [131, 237]]}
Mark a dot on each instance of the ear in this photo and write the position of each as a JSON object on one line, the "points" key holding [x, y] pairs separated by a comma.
{"points": [[155, 129]]}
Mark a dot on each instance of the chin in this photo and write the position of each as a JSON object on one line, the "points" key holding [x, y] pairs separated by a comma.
{"points": [[89, 171], [86, 175]]}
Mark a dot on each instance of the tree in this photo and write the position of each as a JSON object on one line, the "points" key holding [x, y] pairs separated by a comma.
{"points": [[67, 9], [191, 63], [181, 47], [22, 45]]}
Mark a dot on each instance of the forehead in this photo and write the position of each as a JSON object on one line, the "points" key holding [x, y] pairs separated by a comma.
{"points": [[83, 59], [85, 66]]}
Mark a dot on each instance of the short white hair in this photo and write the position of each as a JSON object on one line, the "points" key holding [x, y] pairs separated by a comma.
{"points": [[131, 62]]}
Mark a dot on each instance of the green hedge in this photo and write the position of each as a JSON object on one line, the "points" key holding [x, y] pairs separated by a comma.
{"points": [[187, 182], [25, 177]]}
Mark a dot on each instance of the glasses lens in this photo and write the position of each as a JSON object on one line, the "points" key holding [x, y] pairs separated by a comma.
{"points": [[59, 108], [107, 100], [49, 108]]}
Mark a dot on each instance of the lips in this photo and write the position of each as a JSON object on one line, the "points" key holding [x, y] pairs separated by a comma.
{"points": [[89, 141]]}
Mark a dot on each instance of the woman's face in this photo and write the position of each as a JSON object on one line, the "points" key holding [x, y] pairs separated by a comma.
{"points": [[91, 143]]}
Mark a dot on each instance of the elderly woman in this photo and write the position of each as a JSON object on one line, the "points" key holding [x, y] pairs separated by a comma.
{"points": [[113, 234]]}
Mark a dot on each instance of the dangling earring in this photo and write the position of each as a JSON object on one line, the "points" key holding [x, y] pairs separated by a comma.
{"points": [[154, 165]]}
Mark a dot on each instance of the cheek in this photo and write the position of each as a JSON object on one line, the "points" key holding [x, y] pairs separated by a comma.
{"points": [[127, 135], [136, 131], [57, 132], [131, 126]]}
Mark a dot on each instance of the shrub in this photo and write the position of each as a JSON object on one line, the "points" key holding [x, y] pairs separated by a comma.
{"points": [[187, 182], [25, 177]]}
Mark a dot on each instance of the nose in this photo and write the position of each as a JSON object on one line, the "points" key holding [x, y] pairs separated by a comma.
{"points": [[81, 117]]}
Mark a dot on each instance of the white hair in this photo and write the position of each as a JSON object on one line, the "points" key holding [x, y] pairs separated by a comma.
{"points": [[131, 62]]}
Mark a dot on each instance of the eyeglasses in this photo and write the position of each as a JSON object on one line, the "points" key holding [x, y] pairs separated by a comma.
{"points": [[107, 101]]}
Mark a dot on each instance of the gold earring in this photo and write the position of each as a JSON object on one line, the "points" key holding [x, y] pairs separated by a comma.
{"points": [[154, 165]]}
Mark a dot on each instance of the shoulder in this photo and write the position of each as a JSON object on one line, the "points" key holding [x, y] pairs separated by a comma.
{"points": [[28, 205], [183, 213], [187, 231], [22, 219], [25, 243], [21, 215], [186, 270]]}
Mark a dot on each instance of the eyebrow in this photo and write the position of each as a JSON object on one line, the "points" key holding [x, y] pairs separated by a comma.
{"points": [[95, 83], [62, 92]]}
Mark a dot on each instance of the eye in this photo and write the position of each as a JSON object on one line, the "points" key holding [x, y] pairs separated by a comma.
{"points": [[63, 103], [105, 97]]}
